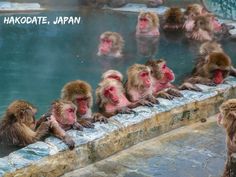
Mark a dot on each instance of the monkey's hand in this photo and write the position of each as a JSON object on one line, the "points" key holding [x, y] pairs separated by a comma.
{"points": [[69, 142], [126, 110], [189, 86], [98, 117], [152, 99], [145, 103], [174, 92], [165, 95], [77, 126], [87, 123], [42, 130]]}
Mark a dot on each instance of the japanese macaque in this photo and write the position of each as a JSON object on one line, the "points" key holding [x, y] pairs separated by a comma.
{"points": [[154, 3], [18, 125], [173, 19], [63, 117], [110, 95], [162, 76], [227, 118], [111, 44], [139, 84], [80, 93], [191, 12], [112, 74], [211, 70], [148, 24], [202, 30]]}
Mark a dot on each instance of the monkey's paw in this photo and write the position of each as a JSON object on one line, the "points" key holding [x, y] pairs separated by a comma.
{"points": [[97, 117], [77, 126], [69, 142]]}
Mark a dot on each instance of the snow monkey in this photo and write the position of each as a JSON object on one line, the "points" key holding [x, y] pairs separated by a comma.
{"points": [[148, 24], [18, 126], [162, 76], [139, 85], [62, 115], [227, 119], [111, 44], [80, 93], [111, 97]]}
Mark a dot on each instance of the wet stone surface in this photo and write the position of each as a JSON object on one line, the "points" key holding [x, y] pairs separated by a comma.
{"points": [[197, 151]]}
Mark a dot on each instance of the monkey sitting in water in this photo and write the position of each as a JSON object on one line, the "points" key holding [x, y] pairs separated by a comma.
{"points": [[18, 125]]}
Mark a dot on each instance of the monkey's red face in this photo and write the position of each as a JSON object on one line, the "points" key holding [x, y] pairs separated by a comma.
{"points": [[218, 77], [145, 78], [105, 46], [68, 115], [82, 105], [168, 75], [144, 24], [111, 94]]}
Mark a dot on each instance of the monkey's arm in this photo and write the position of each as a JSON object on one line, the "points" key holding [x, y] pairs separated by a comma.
{"points": [[152, 99], [164, 94], [98, 117], [175, 92], [42, 130], [189, 86], [200, 80], [57, 131]]}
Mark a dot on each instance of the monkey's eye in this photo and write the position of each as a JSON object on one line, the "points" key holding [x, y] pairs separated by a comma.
{"points": [[164, 66], [107, 41], [111, 88], [143, 19], [144, 74], [71, 110]]}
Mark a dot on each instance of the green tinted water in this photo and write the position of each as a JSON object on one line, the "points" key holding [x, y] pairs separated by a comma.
{"points": [[36, 61]]}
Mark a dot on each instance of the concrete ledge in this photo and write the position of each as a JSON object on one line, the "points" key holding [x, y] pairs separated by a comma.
{"points": [[52, 158]]}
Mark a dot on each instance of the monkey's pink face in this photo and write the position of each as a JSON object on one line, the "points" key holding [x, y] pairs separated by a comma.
{"points": [[111, 94], [145, 78], [144, 25], [168, 74], [69, 114], [218, 77], [105, 46], [82, 104]]}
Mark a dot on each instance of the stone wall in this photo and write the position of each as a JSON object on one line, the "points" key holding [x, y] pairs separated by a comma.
{"points": [[52, 158]]}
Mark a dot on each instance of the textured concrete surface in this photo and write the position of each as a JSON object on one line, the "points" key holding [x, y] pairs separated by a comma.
{"points": [[52, 157], [192, 151]]}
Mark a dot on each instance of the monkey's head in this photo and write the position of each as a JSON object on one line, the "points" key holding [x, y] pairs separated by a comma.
{"points": [[204, 23], [139, 76], [227, 117], [209, 47], [110, 91], [147, 21], [22, 112], [160, 71], [113, 74], [110, 43], [218, 66], [194, 10], [174, 15], [80, 93], [64, 112]]}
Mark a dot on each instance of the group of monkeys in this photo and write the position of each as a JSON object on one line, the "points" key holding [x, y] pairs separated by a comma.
{"points": [[195, 22], [145, 82]]}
